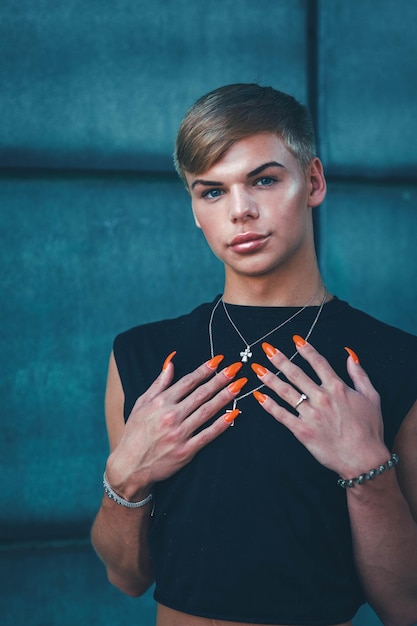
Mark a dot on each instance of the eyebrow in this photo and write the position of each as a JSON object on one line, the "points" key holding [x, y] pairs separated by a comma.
{"points": [[257, 170]]}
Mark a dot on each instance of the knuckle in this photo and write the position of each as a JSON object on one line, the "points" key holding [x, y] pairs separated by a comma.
{"points": [[316, 415], [305, 433], [205, 437], [169, 419], [188, 382], [321, 360], [339, 387], [174, 440], [375, 396], [276, 410], [157, 403], [286, 392], [200, 395], [205, 412], [323, 401], [296, 373], [181, 455], [208, 434]]}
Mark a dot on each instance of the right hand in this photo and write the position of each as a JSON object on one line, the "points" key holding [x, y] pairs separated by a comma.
{"points": [[160, 436]]}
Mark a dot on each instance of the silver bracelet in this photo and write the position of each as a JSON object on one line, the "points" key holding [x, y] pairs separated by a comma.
{"points": [[119, 500], [370, 475]]}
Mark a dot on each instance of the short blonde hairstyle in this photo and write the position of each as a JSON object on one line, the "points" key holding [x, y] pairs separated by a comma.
{"points": [[232, 112]]}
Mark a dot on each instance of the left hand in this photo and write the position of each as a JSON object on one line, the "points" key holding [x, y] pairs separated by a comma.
{"points": [[340, 426]]}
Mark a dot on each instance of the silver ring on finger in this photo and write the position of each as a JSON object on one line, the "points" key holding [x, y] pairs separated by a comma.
{"points": [[300, 400]]}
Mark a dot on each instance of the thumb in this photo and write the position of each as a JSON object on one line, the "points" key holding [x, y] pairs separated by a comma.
{"points": [[160, 383], [358, 375]]}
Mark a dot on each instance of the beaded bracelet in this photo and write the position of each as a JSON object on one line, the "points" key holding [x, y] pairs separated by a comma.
{"points": [[372, 473], [119, 500]]}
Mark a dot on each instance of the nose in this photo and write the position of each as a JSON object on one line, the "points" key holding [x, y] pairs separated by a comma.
{"points": [[242, 206]]}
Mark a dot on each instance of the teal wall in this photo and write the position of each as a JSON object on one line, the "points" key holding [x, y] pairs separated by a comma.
{"points": [[97, 234]]}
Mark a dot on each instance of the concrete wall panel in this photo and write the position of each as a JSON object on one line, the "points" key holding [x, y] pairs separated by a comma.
{"points": [[104, 85], [367, 89]]}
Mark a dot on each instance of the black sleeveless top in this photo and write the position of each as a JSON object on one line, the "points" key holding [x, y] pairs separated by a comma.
{"points": [[254, 529]]}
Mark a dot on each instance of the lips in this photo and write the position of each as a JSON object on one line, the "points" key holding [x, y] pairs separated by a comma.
{"points": [[248, 242]]}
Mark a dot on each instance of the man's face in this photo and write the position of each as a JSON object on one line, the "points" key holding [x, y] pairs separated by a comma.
{"points": [[254, 206]]}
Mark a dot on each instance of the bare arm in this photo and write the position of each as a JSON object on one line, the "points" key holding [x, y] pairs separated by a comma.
{"points": [[343, 429], [118, 533], [158, 439], [385, 533]]}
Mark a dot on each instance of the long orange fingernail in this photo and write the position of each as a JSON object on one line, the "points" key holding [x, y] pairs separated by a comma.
{"points": [[268, 349], [259, 369], [237, 385], [168, 360], [232, 370], [230, 416], [261, 397], [353, 355], [299, 341], [214, 362]]}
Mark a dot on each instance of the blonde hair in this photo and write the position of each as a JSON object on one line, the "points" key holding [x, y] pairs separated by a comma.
{"points": [[232, 112]]}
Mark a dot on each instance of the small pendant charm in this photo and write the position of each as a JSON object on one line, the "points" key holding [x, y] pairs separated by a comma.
{"points": [[232, 409], [233, 423], [246, 354]]}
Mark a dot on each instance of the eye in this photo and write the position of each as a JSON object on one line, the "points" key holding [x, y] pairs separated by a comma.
{"points": [[211, 194], [265, 181]]}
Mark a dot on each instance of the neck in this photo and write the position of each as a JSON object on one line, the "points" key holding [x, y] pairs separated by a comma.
{"points": [[262, 291]]}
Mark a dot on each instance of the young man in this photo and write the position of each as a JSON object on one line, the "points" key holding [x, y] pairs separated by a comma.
{"points": [[278, 519]]}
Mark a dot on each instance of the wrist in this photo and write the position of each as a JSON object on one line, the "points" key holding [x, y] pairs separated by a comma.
{"points": [[113, 495], [126, 484], [363, 461], [376, 470]]}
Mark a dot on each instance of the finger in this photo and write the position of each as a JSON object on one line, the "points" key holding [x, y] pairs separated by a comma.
{"points": [[204, 412], [292, 372], [358, 375], [208, 434], [164, 379], [192, 390], [279, 413], [285, 391], [317, 361], [160, 383]]}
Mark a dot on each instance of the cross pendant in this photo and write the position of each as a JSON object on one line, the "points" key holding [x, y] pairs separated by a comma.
{"points": [[245, 354], [233, 423], [232, 409]]}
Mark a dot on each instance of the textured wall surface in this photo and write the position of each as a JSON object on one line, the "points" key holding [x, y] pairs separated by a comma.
{"points": [[367, 87], [366, 117], [104, 85], [97, 234]]}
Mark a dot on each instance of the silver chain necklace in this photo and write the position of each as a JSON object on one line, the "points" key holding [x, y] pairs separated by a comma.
{"points": [[247, 353]]}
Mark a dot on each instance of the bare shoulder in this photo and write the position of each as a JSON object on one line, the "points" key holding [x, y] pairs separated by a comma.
{"points": [[114, 404], [406, 446]]}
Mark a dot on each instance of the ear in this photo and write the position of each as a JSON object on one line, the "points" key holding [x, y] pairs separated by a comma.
{"points": [[197, 223], [316, 183], [187, 187]]}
